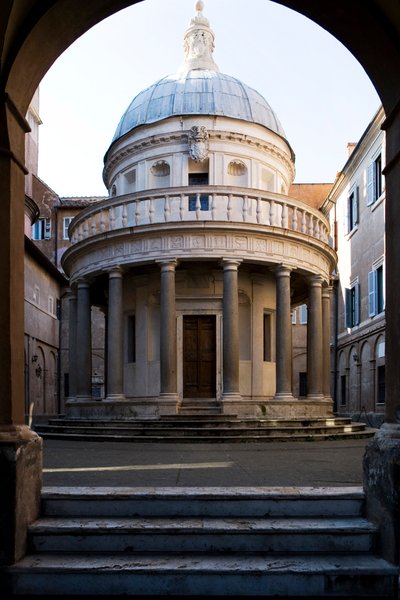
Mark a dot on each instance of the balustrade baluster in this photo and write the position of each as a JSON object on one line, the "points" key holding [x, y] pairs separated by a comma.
{"points": [[93, 227], [182, 207], [198, 206], [151, 210], [167, 209], [285, 216], [303, 222], [268, 212], [229, 207], [317, 229], [310, 225], [258, 209], [124, 215], [111, 218], [272, 213], [137, 212], [294, 218], [245, 209], [213, 207]]}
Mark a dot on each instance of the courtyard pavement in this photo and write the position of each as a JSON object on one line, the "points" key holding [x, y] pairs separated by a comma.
{"points": [[78, 463]]}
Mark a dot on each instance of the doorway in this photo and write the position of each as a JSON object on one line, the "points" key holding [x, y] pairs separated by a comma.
{"points": [[199, 356]]}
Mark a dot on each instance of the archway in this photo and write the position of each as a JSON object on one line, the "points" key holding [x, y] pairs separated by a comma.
{"points": [[33, 35]]}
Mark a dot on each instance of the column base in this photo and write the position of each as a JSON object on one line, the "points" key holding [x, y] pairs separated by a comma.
{"points": [[115, 398], [285, 396], [21, 477], [315, 397], [170, 396], [381, 475]]}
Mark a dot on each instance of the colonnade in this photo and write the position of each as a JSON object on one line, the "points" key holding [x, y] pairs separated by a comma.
{"points": [[318, 335]]}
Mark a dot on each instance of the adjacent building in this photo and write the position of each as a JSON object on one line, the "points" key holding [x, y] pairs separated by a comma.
{"points": [[357, 210]]}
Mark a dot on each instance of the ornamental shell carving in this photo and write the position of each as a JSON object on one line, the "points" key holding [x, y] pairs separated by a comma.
{"points": [[198, 143]]}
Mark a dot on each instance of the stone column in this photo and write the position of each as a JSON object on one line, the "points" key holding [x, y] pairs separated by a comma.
{"points": [[84, 342], [72, 322], [230, 337], [115, 338], [326, 342], [168, 353], [284, 390], [315, 341]]}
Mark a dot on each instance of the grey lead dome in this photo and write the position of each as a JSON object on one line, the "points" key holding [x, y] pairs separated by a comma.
{"points": [[198, 92]]}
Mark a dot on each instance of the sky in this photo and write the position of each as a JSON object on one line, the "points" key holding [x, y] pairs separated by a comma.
{"points": [[320, 93]]}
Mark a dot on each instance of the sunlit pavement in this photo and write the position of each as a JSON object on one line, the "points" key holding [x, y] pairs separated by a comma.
{"points": [[78, 463]]}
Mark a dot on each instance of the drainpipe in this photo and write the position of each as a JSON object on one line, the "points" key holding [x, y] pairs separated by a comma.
{"points": [[335, 344]]}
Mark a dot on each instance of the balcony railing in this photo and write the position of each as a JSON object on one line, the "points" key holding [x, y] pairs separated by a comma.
{"points": [[199, 204]]}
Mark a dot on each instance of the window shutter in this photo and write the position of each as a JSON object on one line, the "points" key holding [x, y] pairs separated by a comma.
{"points": [[356, 304], [355, 206], [347, 216], [348, 311], [47, 229], [370, 184], [371, 293]]}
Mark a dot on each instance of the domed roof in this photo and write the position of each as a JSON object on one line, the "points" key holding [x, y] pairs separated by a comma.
{"points": [[198, 92], [198, 88]]}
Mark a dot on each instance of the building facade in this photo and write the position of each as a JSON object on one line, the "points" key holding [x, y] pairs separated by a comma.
{"points": [[357, 208], [199, 256]]}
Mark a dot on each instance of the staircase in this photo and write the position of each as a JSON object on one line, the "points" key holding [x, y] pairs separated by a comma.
{"points": [[269, 542], [204, 428]]}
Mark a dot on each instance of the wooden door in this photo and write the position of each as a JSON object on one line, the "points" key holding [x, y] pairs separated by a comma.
{"points": [[199, 363]]}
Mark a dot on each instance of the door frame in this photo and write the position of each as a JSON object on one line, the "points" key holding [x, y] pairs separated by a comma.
{"points": [[217, 312]]}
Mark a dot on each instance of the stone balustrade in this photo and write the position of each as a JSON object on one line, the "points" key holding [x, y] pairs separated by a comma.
{"points": [[202, 204]]}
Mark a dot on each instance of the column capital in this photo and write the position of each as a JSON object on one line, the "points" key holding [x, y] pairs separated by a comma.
{"points": [[116, 272], [326, 291], [283, 270], [316, 281], [231, 264], [168, 264], [83, 282]]}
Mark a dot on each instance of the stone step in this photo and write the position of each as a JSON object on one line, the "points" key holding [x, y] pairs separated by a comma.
{"points": [[157, 437], [197, 421], [226, 502], [202, 534], [222, 430], [336, 575]]}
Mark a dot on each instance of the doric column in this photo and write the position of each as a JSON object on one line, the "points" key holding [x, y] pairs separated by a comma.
{"points": [[115, 341], [326, 342], [315, 340], [230, 339], [83, 342], [72, 368], [284, 350], [168, 354]]}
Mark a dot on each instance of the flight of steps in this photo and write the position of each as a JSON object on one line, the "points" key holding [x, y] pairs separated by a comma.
{"points": [[203, 428], [269, 542]]}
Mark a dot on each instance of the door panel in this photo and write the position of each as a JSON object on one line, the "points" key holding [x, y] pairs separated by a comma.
{"points": [[199, 359]]}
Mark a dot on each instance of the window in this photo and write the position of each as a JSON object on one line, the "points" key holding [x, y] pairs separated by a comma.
{"points": [[267, 352], [36, 294], [352, 209], [374, 180], [198, 179], [41, 230], [343, 390], [302, 384], [303, 314], [376, 302], [381, 384], [352, 305], [51, 304], [131, 339], [66, 222]]}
